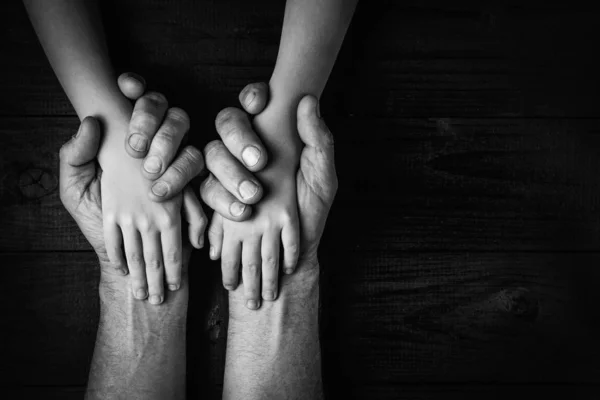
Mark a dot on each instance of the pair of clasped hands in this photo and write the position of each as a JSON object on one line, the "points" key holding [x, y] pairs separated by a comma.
{"points": [[251, 221]]}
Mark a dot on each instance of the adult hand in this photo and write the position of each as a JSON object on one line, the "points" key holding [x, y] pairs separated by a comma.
{"points": [[316, 179], [80, 187], [156, 133], [230, 188]]}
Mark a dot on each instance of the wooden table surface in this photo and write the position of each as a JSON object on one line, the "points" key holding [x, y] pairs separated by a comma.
{"points": [[461, 257]]}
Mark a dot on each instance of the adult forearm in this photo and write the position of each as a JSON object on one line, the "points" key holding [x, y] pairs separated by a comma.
{"points": [[274, 352], [71, 34], [140, 347], [313, 32]]}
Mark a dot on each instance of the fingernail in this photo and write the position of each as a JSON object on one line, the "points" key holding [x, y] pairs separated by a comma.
{"points": [[252, 304], [247, 189], [78, 131], [249, 98], [236, 208], [152, 164], [155, 299], [250, 155], [212, 252], [140, 294], [288, 271], [268, 295], [138, 142], [201, 241], [123, 271], [173, 287], [137, 78], [160, 189]]}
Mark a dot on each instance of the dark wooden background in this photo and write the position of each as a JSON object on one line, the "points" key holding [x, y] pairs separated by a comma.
{"points": [[461, 257]]}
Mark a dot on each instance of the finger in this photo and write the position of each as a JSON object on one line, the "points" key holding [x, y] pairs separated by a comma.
{"points": [[188, 164], [131, 85], [166, 142], [311, 128], [232, 175], [317, 161], [146, 118], [215, 236], [113, 241], [81, 149], [78, 162], [155, 270], [254, 97], [172, 254], [135, 261], [251, 262], [195, 217], [270, 265], [290, 239], [230, 262], [240, 139], [224, 203]]}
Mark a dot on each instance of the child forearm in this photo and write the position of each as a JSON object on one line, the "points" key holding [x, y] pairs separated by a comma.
{"points": [[313, 32], [71, 34]]}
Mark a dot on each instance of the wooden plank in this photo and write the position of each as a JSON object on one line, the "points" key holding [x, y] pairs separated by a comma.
{"points": [[388, 318], [473, 391], [410, 59], [46, 392], [430, 184], [392, 320]]}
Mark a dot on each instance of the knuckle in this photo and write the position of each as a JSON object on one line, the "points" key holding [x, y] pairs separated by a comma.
{"points": [[154, 264], [192, 154], [143, 225], [135, 258], [253, 268], [110, 218], [226, 117], [144, 121], [212, 149], [270, 262], [179, 116], [292, 248], [181, 171], [214, 232], [157, 99], [168, 220], [207, 185], [126, 221], [193, 158], [172, 257]]}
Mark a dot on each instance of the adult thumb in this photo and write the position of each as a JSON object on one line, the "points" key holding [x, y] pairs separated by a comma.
{"points": [[311, 128], [317, 161], [78, 154]]}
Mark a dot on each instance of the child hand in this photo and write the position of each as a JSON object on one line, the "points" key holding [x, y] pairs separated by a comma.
{"points": [[275, 222], [150, 231]]}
